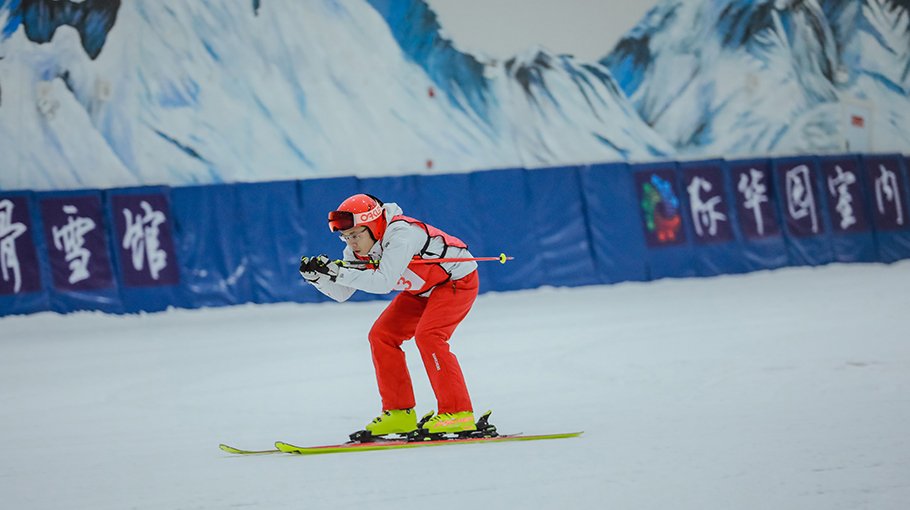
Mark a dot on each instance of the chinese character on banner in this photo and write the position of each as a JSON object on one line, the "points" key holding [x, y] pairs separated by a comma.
{"points": [[70, 239], [801, 206], [886, 189], [9, 258], [839, 187], [77, 248], [753, 200], [708, 208], [888, 195], [845, 198], [19, 271], [141, 239], [145, 244], [660, 207]]}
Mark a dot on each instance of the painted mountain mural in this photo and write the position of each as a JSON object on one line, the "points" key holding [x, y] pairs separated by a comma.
{"points": [[103, 93], [769, 76]]}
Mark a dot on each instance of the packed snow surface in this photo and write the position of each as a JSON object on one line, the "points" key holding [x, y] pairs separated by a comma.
{"points": [[784, 389]]}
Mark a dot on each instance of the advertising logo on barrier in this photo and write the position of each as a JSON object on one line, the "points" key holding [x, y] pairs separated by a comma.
{"points": [[18, 257], [754, 200], [144, 241], [707, 206], [887, 191], [77, 250], [799, 198], [659, 201], [846, 204]]}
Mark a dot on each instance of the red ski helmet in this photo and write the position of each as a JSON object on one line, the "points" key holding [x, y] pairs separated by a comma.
{"points": [[360, 209]]}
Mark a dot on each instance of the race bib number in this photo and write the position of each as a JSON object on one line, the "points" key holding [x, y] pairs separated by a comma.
{"points": [[409, 281]]}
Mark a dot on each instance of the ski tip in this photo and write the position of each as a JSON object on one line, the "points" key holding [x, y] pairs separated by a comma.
{"points": [[238, 451]]}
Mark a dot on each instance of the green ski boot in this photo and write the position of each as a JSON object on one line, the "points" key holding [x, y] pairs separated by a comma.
{"points": [[395, 421], [451, 423]]}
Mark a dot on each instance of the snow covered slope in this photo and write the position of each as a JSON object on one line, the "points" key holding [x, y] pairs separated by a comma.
{"points": [[793, 395]]}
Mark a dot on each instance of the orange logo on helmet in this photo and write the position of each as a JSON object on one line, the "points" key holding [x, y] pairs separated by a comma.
{"points": [[371, 215]]}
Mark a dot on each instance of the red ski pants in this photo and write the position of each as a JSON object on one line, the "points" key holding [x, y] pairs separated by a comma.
{"points": [[431, 322]]}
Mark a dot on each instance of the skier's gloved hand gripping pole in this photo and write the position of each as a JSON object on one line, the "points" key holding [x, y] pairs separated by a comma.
{"points": [[314, 268]]}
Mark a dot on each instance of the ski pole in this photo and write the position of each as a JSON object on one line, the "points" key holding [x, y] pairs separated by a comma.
{"points": [[502, 258]]}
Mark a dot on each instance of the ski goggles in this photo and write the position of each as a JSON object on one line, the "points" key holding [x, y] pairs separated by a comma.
{"points": [[345, 220]]}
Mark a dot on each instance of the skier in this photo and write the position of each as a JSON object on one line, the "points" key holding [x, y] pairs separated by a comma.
{"points": [[435, 298]]}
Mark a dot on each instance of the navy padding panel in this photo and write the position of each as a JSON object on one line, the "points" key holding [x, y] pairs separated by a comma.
{"points": [[147, 298], [708, 202], [215, 267], [26, 290], [274, 233], [501, 202], [845, 199], [887, 187], [317, 198], [797, 183], [613, 219], [757, 215], [560, 227], [670, 251], [105, 296]]}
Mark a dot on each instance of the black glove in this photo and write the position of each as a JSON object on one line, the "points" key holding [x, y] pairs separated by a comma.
{"points": [[313, 268], [306, 269]]}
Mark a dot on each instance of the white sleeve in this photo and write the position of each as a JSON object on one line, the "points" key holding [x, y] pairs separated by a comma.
{"points": [[333, 290], [400, 243]]}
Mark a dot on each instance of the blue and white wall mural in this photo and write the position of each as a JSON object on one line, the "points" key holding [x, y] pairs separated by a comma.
{"points": [[104, 93]]}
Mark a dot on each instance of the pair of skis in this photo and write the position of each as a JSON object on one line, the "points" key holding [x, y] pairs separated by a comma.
{"points": [[485, 433]]}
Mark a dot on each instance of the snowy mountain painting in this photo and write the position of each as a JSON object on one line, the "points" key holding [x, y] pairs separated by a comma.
{"points": [[769, 76], [103, 93]]}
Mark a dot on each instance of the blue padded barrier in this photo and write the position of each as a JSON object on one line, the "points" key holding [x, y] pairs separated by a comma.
{"points": [[274, 231], [708, 203], [663, 219], [613, 219], [149, 248], [501, 203], [797, 184], [558, 221], [757, 215], [144, 253], [23, 286], [211, 246], [74, 235], [885, 178], [843, 188]]}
